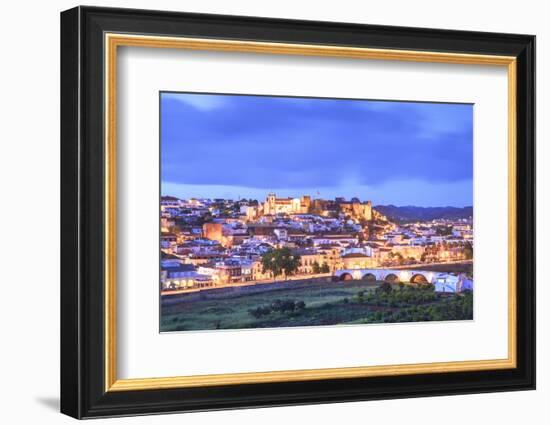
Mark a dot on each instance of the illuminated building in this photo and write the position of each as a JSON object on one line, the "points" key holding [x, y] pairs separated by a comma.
{"points": [[358, 260], [357, 209], [274, 205], [213, 231]]}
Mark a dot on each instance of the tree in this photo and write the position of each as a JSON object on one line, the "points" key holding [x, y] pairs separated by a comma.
{"points": [[399, 258], [444, 230], [280, 261], [385, 287], [468, 251], [316, 268], [175, 229]]}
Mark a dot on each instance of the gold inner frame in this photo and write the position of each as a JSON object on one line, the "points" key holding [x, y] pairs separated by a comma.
{"points": [[113, 41]]}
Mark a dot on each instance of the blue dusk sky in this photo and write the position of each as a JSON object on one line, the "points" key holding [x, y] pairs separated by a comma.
{"points": [[401, 153]]}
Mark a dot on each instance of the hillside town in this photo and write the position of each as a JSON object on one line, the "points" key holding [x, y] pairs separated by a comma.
{"points": [[219, 242]]}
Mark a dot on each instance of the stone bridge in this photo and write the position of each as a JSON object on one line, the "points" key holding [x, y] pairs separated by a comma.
{"points": [[443, 282], [388, 275]]}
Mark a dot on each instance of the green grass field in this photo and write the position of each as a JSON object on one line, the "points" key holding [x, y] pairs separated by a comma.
{"points": [[314, 304]]}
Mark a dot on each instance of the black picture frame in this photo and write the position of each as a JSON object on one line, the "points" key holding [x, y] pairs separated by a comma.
{"points": [[83, 392]]}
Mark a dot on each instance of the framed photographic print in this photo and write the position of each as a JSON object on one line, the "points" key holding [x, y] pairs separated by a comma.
{"points": [[261, 212]]}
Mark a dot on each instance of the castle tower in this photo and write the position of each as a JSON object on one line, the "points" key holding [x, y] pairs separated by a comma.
{"points": [[306, 203], [368, 211], [269, 206]]}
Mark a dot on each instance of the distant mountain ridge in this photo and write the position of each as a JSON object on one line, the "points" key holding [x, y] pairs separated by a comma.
{"points": [[411, 213]]}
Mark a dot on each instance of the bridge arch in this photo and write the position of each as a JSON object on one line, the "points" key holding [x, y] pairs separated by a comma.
{"points": [[346, 276], [369, 277], [391, 278], [418, 278]]}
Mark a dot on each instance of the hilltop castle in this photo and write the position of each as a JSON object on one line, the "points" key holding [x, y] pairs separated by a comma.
{"points": [[305, 205]]}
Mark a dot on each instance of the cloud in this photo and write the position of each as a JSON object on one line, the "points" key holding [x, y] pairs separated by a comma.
{"points": [[201, 102], [272, 142], [377, 106]]}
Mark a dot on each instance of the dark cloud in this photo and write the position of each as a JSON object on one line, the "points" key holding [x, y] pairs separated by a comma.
{"points": [[270, 142]]}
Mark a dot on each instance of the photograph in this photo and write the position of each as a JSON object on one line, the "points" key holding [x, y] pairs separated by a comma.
{"points": [[281, 211]]}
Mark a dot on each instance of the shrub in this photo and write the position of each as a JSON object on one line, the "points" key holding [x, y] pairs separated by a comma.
{"points": [[260, 311], [385, 287], [277, 306]]}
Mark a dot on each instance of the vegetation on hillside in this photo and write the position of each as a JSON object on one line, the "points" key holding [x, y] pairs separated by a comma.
{"points": [[409, 214], [314, 303]]}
